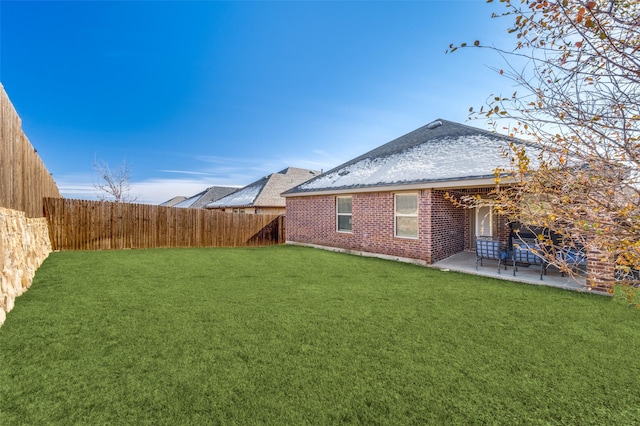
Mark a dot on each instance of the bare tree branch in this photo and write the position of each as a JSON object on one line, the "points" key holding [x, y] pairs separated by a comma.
{"points": [[579, 99], [113, 185]]}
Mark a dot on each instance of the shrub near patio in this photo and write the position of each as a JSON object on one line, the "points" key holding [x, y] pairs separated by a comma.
{"points": [[293, 335]]}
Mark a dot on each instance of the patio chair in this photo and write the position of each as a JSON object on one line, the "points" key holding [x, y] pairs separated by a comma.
{"points": [[573, 257], [527, 251], [490, 249]]}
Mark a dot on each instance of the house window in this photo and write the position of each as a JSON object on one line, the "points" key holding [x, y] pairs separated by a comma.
{"points": [[343, 214], [406, 215]]}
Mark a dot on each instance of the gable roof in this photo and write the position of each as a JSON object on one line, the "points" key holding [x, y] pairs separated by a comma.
{"points": [[266, 192], [172, 202], [440, 152], [201, 199]]}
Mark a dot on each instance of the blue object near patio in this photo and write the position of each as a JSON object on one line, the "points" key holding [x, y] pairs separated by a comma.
{"points": [[573, 257], [490, 249], [528, 251]]}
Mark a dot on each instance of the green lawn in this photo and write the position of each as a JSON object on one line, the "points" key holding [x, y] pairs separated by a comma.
{"points": [[292, 335]]}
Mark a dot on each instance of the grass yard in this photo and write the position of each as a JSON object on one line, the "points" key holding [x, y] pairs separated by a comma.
{"points": [[292, 335]]}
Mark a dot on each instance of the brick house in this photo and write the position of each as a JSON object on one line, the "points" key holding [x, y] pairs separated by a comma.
{"points": [[391, 200]]}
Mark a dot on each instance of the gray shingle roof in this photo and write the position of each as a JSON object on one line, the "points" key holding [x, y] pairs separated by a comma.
{"points": [[201, 199], [266, 192], [172, 202], [438, 152]]}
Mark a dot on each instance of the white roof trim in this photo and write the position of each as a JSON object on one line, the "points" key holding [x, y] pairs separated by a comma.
{"points": [[458, 184]]}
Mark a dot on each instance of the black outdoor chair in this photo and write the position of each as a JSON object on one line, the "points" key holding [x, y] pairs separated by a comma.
{"points": [[629, 276], [490, 249]]}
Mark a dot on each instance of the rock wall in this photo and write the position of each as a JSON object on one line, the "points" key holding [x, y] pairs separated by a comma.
{"points": [[24, 245]]}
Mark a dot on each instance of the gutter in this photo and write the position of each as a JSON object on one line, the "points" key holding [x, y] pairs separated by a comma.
{"points": [[459, 184]]}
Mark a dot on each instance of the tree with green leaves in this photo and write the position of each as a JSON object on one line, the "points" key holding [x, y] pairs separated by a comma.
{"points": [[576, 67]]}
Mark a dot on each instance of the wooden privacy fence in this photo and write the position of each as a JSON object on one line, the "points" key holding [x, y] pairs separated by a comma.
{"points": [[98, 225], [24, 179]]}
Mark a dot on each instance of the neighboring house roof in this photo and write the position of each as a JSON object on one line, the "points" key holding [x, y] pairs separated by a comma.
{"points": [[203, 198], [440, 153], [172, 202], [266, 191]]}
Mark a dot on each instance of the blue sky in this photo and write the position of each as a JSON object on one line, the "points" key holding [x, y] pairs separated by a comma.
{"points": [[199, 93]]}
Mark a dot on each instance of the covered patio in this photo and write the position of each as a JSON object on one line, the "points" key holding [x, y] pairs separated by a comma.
{"points": [[466, 262]]}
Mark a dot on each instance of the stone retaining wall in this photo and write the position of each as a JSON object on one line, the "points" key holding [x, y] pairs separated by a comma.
{"points": [[24, 245]]}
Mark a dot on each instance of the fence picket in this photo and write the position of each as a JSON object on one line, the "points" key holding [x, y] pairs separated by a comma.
{"points": [[24, 179], [94, 225]]}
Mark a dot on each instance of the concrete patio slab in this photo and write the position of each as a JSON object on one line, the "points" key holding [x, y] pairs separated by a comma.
{"points": [[466, 262]]}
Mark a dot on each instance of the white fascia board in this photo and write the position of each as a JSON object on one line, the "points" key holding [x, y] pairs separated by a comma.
{"points": [[459, 184]]}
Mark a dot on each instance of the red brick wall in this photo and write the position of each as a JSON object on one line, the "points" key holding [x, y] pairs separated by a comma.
{"points": [[600, 271], [504, 231], [312, 220], [449, 227], [441, 226]]}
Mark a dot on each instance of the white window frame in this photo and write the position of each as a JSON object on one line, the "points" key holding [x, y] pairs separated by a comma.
{"points": [[397, 215], [339, 214]]}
